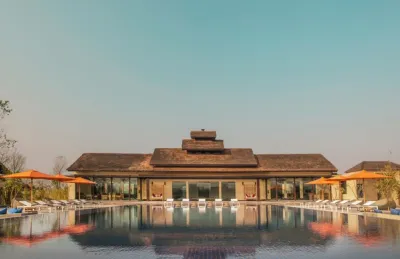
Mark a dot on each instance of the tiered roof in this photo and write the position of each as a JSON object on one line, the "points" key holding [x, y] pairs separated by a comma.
{"points": [[202, 153]]}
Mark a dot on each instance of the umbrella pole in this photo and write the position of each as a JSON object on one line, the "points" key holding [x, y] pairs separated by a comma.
{"points": [[363, 190], [79, 191], [31, 190]]}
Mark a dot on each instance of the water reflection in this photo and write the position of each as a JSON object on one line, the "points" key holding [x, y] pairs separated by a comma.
{"points": [[204, 233]]}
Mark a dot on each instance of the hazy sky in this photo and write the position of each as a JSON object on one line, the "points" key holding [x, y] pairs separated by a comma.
{"points": [[129, 76]]}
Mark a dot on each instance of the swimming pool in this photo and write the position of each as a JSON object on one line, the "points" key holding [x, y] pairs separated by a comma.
{"points": [[263, 231]]}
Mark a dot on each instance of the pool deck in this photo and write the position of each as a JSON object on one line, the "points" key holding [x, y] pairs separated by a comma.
{"points": [[292, 204]]}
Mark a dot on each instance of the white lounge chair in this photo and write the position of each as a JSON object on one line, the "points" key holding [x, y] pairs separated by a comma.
{"points": [[354, 204], [49, 205], [202, 203], [27, 206], [341, 204], [234, 203], [72, 204], [218, 203], [67, 205], [321, 204], [169, 203], [368, 205], [332, 204], [185, 203]]}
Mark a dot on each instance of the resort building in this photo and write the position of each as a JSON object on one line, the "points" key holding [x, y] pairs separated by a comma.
{"points": [[201, 168], [353, 190]]}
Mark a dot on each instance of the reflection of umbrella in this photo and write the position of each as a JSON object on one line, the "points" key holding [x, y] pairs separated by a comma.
{"points": [[31, 174], [35, 239], [79, 181], [325, 229], [368, 240], [362, 175], [328, 229]]}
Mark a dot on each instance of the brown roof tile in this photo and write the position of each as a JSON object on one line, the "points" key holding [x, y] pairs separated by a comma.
{"points": [[203, 134], [111, 162], [175, 157], [202, 145], [372, 166], [201, 162], [295, 162]]}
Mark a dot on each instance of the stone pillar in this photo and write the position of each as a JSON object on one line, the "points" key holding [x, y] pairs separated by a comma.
{"points": [[220, 190], [301, 186], [112, 191], [129, 188], [187, 190], [148, 189]]}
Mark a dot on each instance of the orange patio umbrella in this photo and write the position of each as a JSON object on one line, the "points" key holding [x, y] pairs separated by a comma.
{"points": [[30, 174], [362, 175], [62, 178], [322, 181], [79, 181]]}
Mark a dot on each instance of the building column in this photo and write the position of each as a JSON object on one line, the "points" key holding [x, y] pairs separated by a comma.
{"points": [[294, 188], [139, 189], [276, 188], [258, 189], [129, 189], [112, 189], [148, 189], [187, 191], [220, 190]]}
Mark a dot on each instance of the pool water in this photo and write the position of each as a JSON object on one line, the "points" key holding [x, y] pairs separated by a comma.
{"points": [[155, 232]]}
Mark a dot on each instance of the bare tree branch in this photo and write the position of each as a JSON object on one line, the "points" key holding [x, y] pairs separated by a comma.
{"points": [[60, 164], [15, 162]]}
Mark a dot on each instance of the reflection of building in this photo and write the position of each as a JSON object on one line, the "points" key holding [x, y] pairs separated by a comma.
{"points": [[201, 168], [217, 234]]}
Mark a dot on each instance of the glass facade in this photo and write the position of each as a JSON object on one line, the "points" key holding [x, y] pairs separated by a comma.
{"points": [[206, 190], [276, 188], [228, 190], [178, 190], [113, 188], [289, 188]]}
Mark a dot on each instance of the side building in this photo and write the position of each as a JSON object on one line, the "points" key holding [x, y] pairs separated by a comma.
{"points": [[201, 168], [353, 190]]}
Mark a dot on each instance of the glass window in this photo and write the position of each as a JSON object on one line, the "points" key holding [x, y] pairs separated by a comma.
{"points": [[178, 190], [280, 187], [289, 189], [360, 193], [228, 190], [272, 188], [343, 187], [308, 189], [207, 190], [133, 190]]}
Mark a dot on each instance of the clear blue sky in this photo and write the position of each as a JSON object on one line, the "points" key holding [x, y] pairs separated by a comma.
{"points": [[129, 76]]}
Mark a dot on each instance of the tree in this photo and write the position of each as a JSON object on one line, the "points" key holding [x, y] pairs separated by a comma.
{"points": [[60, 164], [5, 142], [15, 162], [13, 187], [389, 186]]}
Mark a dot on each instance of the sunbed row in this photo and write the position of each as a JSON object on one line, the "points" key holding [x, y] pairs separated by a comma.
{"points": [[185, 203], [342, 205], [40, 205]]}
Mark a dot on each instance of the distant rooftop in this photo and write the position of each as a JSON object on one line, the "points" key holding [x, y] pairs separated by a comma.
{"points": [[373, 166]]}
